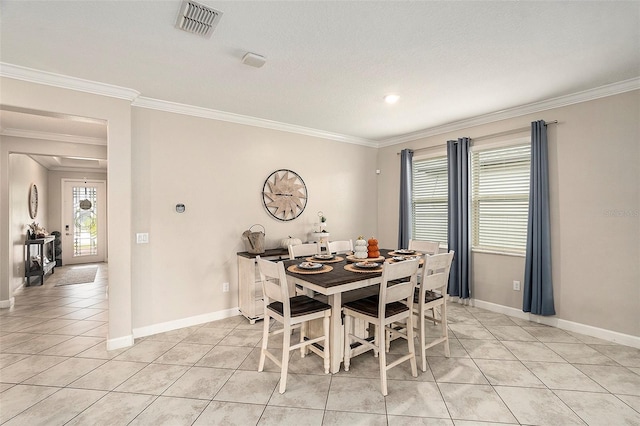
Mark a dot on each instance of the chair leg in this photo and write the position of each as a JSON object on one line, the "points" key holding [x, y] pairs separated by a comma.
{"points": [[380, 342], [387, 344], [445, 331], [327, 353], [347, 342], [423, 351], [412, 346], [265, 342], [303, 333], [286, 344]]}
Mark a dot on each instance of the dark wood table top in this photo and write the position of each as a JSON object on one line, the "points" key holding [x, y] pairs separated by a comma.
{"points": [[337, 277]]}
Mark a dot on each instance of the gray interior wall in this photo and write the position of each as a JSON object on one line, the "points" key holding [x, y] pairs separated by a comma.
{"points": [[594, 152]]}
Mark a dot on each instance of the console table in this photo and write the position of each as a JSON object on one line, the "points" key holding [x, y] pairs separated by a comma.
{"points": [[39, 247], [250, 298]]}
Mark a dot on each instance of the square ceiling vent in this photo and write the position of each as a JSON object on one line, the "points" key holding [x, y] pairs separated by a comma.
{"points": [[197, 18]]}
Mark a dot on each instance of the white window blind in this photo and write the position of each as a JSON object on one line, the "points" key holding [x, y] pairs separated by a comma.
{"points": [[429, 199], [500, 198]]}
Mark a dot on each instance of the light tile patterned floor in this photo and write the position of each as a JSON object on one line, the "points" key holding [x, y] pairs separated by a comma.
{"points": [[55, 370]]}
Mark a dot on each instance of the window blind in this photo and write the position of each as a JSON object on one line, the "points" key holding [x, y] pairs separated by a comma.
{"points": [[500, 198], [429, 199]]}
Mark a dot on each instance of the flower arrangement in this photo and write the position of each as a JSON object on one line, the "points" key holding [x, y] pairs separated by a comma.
{"points": [[37, 231], [323, 223]]}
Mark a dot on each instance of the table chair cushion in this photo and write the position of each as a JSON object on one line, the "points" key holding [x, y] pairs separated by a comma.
{"points": [[300, 305], [369, 306], [429, 296]]}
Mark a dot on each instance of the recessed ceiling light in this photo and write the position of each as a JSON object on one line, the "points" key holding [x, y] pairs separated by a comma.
{"points": [[391, 99]]}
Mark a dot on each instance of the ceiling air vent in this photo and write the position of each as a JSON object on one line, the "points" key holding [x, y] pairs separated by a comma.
{"points": [[198, 19]]}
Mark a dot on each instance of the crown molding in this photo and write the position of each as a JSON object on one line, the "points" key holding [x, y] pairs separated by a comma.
{"points": [[561, 101], [65, 82], [73, 83], [177, 108], [34, 134]]}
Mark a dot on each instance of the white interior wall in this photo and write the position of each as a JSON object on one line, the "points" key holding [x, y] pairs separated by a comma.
{"points": [[217, 169], [116, 111], [23, 172]]}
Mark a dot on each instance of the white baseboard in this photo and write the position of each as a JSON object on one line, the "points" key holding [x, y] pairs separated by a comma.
{"points": [[4, 304], [119, 342], [184, 322], [600, 333]]}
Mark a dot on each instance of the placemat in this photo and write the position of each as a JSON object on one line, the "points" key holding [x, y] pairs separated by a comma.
{"points": [[352, 258], [352, 268], [334, 260], [296, 270]]}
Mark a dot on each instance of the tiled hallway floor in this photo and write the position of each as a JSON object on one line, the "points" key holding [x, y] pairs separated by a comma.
{"points": [[55, 370]]}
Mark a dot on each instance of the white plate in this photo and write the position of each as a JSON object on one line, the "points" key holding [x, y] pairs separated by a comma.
{"points": [[310, 265], [323, 256], [405, 251], [367, 265]]}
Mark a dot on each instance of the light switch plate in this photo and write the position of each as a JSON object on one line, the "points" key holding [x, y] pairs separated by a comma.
{"points": [[142, 238]]}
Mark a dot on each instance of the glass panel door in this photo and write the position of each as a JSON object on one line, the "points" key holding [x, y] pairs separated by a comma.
{"points": [[84, 217]]}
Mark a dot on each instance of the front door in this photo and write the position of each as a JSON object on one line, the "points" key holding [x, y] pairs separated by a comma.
{"points": [[83, 221]]}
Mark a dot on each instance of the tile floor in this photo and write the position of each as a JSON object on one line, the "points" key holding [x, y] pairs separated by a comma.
{"points": [[55, 370]]}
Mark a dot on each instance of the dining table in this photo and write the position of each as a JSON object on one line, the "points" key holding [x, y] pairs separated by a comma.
{"points": [[334, 282]]}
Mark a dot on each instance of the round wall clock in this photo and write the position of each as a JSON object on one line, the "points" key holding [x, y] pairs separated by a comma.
{"points": [[284, 195], [33, 201]]}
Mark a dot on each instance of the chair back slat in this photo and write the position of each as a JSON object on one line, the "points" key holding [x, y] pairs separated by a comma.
{"points": [[271, 289], [397, 292], [339, 247], [274, 282], [426, 247], [405, 271], [305, 249], [436, 272]]}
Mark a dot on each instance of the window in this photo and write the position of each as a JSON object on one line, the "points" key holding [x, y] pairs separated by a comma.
{"points": [[429, 199], [500, 198]]}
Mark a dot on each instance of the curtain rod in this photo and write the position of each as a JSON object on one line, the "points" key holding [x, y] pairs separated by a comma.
{"points": [[492, 135]]}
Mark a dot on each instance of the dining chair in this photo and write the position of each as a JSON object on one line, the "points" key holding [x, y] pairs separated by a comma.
{"points": [[305, 249], [292, 312], [424, 246], [427, 248], [340, 247], [430, 294], [392, 305]]}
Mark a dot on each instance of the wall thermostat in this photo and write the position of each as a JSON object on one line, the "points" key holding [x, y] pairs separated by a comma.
{"points": [[180, 208]]}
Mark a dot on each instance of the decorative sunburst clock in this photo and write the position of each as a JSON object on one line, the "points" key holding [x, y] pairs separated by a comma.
{"points": [[284, 195]]}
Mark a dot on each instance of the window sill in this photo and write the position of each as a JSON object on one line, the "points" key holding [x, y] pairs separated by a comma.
{"points": [[498, 252]]}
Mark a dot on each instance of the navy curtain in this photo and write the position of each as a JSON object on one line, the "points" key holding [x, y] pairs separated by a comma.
{"points": [[458, 215], [406, 176], [538, 286]]}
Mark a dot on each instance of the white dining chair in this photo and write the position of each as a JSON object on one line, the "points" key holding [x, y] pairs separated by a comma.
{"points": [[340, 247], [424, 246], [292, 312], [430, 294], [427, 248], [392, 305], [305, 249]]}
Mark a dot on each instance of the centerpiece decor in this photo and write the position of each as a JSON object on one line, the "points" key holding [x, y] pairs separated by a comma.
{"points": [[360, 250]]}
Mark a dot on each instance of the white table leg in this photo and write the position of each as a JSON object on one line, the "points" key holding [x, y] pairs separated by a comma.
{"points": [[335, 300]]}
